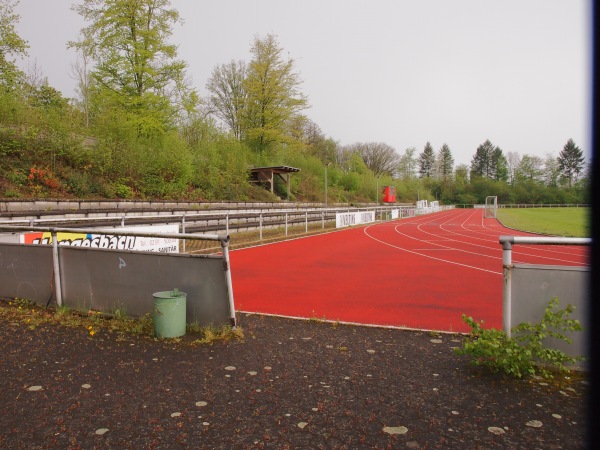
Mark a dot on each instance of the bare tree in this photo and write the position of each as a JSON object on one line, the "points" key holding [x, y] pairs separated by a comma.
{"points": [[380, 158], [80, 71], [512, 159], [551, 170], [228, 97]]}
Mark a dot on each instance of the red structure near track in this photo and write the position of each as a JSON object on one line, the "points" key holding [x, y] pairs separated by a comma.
{"points": [[422, 272], [389, 194]]}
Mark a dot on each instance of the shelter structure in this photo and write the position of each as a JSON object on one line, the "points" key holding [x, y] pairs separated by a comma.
{"points": [[267, 175]]}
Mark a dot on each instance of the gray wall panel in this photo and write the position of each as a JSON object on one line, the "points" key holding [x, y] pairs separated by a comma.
{"points": [[534, 286], [105, 280], [26, 272]]}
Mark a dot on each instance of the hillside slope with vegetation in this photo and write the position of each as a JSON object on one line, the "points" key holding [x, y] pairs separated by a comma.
{"points": [[138, 129]]}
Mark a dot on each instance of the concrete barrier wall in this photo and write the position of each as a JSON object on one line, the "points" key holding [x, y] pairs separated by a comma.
{"points": [[106, 280], [77, 205], [533, 286]]}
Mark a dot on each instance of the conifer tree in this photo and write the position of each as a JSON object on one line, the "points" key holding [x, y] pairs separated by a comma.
{"points": [[570, 162], [426, 161]]}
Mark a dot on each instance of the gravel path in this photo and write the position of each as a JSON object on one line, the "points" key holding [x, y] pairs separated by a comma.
{"points": [[288, 384]]}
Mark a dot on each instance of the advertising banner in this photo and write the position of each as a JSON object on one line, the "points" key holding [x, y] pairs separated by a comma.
{"points": [[354, 218], [110, 241]]}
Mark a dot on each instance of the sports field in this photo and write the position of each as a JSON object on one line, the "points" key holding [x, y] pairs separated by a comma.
{"points": [[423, 272], [568, 222]]}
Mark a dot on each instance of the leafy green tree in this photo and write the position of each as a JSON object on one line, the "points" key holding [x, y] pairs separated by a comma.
{"points": [[11, 44], [136, 68], [531, 168], [499, 165], [445, 162], [570, 162], [461, 175], [426, 161], [273, 93], [407, 164], [312, 140]]}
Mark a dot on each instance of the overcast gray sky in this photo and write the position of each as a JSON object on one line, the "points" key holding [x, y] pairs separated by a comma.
{"points": [[516, 72]]}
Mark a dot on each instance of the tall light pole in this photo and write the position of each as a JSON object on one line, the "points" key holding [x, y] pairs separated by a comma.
{"points": [[326, 185]]}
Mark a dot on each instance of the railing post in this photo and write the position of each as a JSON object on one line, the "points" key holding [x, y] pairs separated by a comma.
{"points": [[286, 223], [56, 267], [507, 242], [306, 221], [225, 249], [260, 226], [227, 224], [183, 229], [122, 221]]}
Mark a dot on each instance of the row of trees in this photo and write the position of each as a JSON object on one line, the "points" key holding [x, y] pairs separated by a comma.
{"points": [[564, 170], [139, 128]]}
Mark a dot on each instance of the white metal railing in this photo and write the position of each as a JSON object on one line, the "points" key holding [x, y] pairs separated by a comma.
{"points": [[507, 244], [229, 218]]}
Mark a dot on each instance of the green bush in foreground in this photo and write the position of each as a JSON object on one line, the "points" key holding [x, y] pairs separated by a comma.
{"points": [[524, 353]]}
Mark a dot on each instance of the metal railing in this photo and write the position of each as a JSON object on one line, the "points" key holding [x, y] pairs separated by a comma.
{"points": [[507, 245], [203, 222]]}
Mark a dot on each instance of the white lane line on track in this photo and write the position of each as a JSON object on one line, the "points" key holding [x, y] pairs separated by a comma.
{"points": [[435, 249], [516, 252], [568, 251], [490, 239], [429, 241], [427, 256], [445, 239]]}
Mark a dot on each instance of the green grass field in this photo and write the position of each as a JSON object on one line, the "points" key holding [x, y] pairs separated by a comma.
{"points": [[569, 222]]}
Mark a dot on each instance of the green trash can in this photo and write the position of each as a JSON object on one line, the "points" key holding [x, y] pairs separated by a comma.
{"points": [[169, 313]]}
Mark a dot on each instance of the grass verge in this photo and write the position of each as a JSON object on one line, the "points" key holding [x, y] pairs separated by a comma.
{"points": [[567, 222]]}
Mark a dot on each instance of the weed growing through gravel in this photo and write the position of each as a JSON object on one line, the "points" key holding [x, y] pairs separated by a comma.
{"points": [[211, 334], [524, 353], [94, 322]]}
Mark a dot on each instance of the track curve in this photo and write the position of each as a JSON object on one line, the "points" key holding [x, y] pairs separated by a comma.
{"points": [[422, 272]]}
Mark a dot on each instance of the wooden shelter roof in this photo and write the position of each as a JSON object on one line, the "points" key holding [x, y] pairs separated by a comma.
{"points": [[267, 175]]}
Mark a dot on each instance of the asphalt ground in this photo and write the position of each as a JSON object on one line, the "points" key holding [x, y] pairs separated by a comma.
{"points": [[287, 384]]}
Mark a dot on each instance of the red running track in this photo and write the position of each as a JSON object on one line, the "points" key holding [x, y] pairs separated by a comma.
{"points": [[423, 272]]}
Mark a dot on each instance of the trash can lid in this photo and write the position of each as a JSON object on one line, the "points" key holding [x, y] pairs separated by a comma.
{"points": [[169, 294]]}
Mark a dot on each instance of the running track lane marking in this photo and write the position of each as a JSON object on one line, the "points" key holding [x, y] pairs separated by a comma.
{"points": [[516, 253], [427, 256]]}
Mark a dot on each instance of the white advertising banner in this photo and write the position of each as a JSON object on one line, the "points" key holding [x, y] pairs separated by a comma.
{"points": [[104, 240], [394, 213], [354, 218]]}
